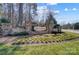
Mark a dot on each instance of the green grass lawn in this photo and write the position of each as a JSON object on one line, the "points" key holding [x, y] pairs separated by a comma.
{"points": [[68, 48], [47, 38]]}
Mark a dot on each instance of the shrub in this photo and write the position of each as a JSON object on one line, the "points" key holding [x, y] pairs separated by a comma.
{"points": [[3, 20], [19, 34]]}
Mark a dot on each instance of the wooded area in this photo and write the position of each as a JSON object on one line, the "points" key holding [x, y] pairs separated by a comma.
{"points": [[21, 17]]}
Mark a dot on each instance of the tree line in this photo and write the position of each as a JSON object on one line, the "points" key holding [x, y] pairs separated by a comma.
{"points": [[71, 26], [16, 13], [19, 14]]}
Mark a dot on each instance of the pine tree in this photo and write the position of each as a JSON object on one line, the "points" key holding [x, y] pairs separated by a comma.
{"points": [[50, 22]]}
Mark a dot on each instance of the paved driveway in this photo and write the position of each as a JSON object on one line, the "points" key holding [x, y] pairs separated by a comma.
{"points": [[7, 39]]}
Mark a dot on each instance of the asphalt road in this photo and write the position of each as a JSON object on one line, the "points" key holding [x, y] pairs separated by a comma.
{"points": [[68, 30]]}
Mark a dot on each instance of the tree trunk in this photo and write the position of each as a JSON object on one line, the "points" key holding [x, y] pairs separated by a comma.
{"points": [[20, 14]]}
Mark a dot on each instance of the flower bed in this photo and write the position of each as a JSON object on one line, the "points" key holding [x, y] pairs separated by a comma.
{"points": [[46, 38]]}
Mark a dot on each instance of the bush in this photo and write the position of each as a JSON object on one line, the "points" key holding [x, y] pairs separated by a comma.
{"points": [[19, 34], [3, 20], [76, 25]]}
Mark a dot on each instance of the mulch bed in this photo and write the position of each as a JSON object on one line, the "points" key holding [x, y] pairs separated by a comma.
{"points": [[42, 42]]}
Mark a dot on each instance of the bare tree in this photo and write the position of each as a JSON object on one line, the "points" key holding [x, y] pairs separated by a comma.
{"points": [[9, 11], [17, 16], [30, 10], [4, 8], [0, 10], [20, 14], [10, 8], [34, 9]]}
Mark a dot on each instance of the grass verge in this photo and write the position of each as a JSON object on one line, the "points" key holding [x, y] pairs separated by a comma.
{"points": [[68, 48]]}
